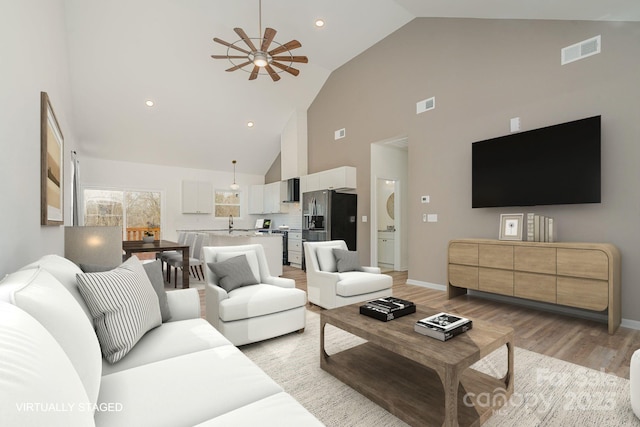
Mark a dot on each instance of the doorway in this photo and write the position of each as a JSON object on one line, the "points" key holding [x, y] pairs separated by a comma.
{"points": [[389, 180]]}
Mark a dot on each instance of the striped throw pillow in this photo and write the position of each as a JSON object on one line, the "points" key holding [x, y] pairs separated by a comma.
{"points": [[123, 305]]}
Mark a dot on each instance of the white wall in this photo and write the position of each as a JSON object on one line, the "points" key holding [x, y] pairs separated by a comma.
{"points": [[138, 176], [293, 146], [33, 58]]}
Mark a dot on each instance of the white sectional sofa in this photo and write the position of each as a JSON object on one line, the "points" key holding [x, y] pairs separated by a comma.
{"points": [[182, 373]]}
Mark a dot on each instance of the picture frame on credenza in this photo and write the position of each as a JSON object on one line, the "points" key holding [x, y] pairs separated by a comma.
{"points": [[511, 226], [51, 161]]}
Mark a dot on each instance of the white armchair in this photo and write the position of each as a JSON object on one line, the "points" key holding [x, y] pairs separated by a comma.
{"points": [[329, 289], [271, 308]]}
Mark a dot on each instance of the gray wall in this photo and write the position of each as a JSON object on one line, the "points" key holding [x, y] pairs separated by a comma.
{"points": [[274, 173], [482, 73]]}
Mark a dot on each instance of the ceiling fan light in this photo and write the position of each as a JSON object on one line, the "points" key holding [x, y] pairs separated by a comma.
{"points": [[260, 59]]}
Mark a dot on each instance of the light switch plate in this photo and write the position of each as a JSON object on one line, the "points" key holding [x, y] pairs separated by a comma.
{"points": [[424, 199], [364, 218], [432, 218]]}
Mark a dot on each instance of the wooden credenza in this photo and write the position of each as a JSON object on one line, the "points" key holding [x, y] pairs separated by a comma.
{"points": [[581, 275]]}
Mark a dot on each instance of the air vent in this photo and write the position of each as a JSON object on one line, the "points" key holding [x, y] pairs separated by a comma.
{"points": [[580, 50], [340, 133], [425, 105]]}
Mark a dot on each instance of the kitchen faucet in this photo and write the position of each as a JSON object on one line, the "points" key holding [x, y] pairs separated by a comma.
{"points": [[230, 223]]}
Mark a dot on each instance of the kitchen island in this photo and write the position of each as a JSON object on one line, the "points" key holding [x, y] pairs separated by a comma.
{"points": [[272, 243]]}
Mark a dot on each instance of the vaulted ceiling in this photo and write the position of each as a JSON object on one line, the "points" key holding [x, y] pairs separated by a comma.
{"points": [[125, 52]]}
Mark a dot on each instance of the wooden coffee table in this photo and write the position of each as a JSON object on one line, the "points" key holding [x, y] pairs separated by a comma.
{"points": [[419, 379]]}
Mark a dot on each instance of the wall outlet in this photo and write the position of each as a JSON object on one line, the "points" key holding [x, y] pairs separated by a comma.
{"points": [[364, 218], [515, 124], [424, 217]]}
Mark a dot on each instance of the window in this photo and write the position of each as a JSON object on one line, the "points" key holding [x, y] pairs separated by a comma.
{"points": [[135, 211], [227, 203]]}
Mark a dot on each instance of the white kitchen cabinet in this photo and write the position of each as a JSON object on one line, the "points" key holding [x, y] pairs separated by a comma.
{"points": [[342, 178], [197, 197], [339, 178], [272, 197], [256, 199], [267, 199], [294, 246]]}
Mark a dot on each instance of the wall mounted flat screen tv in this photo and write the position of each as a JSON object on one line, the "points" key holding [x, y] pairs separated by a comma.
{"points": [[553, 165]]}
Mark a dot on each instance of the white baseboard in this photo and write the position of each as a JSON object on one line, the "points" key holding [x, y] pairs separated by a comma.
{"points": [[626, 323], [631, 324], [427, 285]]}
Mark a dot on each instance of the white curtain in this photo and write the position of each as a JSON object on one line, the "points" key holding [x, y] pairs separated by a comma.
{"points": [[75, 189]]}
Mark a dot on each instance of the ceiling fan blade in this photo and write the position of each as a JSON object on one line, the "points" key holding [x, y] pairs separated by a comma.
{"points": [[228, 57], [254, 72], [303, 59], [286, 68], [269, 35], [293, 44], [245, 38], [274, 76], [222, 42], [237, 67]]}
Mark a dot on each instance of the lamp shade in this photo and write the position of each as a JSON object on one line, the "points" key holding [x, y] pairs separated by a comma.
{"points": [[93, 245]]}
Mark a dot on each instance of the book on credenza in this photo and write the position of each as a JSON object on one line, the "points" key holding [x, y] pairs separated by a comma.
{"points": [[530, 228], [540, 228], [443, 326], [388, 308]]}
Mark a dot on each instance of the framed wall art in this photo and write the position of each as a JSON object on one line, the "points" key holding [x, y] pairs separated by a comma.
{"points": [[511, 226], [51, 160]]}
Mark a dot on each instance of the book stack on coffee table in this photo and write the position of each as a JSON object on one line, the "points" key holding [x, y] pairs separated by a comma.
{"points": [[443, 326], [388, 308]]}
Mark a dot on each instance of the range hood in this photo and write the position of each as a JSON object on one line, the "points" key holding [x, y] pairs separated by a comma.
{"points": [[293, 190]]}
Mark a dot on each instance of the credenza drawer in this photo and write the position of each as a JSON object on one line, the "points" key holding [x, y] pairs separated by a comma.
{"points": [[538, 287], [495, 281], [463, 276], [583, 293], [463, 253], [534, 259], [496, 256], [587, 263]]}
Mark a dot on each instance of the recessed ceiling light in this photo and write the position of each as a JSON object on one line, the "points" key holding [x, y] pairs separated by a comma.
{"points": [[250, 124], [319, 23], [149, 103]]}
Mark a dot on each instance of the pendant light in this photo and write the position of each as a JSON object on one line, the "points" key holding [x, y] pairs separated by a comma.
{"points": [[234, 186]]}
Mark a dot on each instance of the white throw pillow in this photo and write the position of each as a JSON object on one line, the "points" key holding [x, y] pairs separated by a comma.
{"points": [[123, 304], [252, 259], [326, 259]]}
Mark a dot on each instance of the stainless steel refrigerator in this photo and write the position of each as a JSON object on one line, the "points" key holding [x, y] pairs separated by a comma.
{"points": [[328, 215]]}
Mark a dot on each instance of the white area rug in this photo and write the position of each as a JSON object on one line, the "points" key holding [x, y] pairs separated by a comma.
{"points": [[548, 391]]}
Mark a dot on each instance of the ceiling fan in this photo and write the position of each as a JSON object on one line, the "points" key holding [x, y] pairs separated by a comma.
{"points": [[261, 57]]}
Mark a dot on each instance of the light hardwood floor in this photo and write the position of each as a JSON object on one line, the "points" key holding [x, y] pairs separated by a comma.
{"points": [[579, 341]]}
